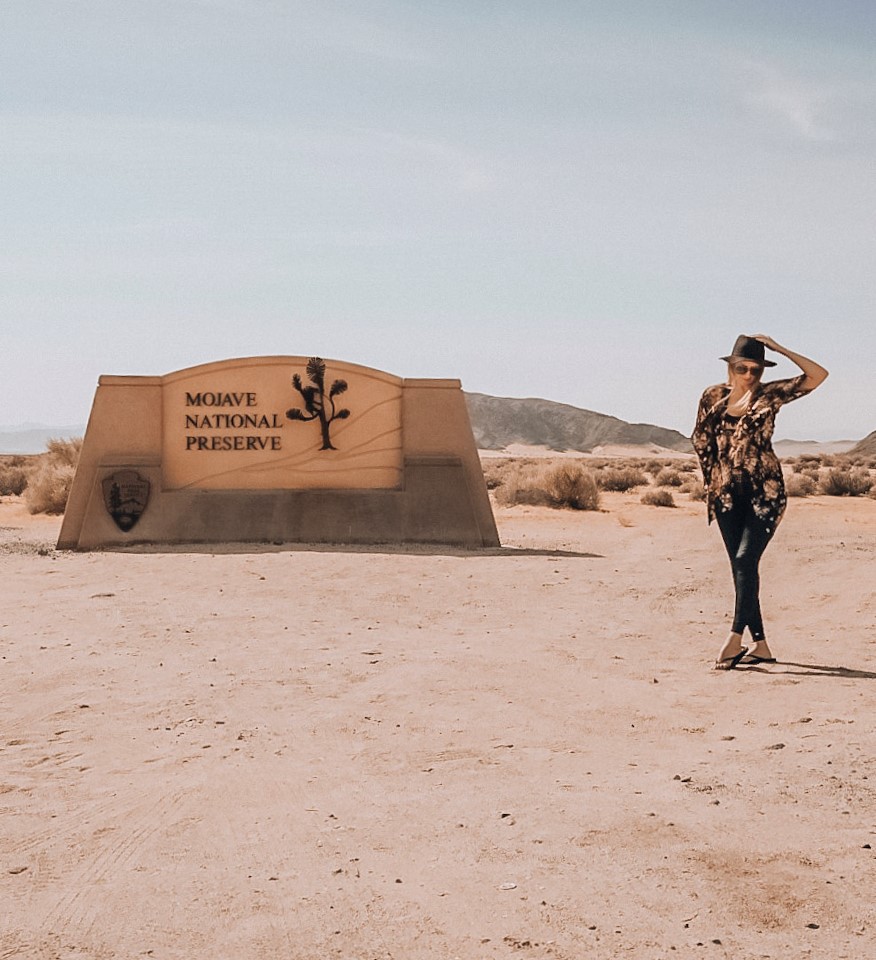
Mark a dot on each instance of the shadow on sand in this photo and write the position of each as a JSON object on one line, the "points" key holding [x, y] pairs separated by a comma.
{"points": [[422, 549], [811, 670]]}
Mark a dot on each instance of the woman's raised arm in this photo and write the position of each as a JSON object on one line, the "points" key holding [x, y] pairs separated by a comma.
{"points": [[815, 373]]}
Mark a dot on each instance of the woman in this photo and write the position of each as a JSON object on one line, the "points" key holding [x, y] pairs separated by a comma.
{"points": [[745, 491]]}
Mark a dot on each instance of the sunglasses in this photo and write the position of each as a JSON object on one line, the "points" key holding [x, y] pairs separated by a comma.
{"points": [[742, 369]]}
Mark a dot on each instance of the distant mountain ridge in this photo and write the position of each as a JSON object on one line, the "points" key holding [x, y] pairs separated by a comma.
{"points": [[32, 438], [498, 422], [867, 446]]}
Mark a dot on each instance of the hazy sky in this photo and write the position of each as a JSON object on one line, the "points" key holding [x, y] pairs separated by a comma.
{"points": [[583, 201]]}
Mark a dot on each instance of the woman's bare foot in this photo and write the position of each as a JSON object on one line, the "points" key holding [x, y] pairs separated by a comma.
{"points": [[731, 652], [732, 646]]}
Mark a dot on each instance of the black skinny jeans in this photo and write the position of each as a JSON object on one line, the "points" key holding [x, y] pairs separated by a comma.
{"points": [[746, 537]]}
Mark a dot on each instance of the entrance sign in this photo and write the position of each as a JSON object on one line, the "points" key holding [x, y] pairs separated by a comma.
{"points": [[278, 449], [253, 424]]}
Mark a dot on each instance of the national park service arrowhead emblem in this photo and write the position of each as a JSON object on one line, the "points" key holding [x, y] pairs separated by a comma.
{"points": [[126, 495]]}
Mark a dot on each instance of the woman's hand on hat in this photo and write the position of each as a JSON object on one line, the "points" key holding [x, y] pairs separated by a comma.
{"points": [[767, 341]]}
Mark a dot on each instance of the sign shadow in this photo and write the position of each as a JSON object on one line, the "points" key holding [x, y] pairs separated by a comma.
{"points": [[414, 549]]}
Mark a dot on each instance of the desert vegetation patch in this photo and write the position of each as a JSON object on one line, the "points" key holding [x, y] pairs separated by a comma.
{"points": [[561, 482], [43, 479]]}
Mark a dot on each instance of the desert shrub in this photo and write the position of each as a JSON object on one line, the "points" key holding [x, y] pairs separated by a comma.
{"points": [[620, 478], [668, 477], [687, 466], [800, 485], [49, 487], [492, 477], [567, 485], [64, 451], [13, 476], [564, 485], [694, 489], [521, 484], [845, 483], [49, 484], [658, 498], [496, 471], [810, 458], [654, 467]]}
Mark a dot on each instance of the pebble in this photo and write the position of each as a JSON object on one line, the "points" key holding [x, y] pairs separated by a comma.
{"points": [[508, 886]]}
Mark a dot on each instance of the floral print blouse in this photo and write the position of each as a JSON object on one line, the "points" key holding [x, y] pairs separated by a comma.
{"points": [[738, 451]]}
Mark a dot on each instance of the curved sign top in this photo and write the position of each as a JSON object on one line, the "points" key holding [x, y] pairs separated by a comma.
{"points": [[281, 422]]}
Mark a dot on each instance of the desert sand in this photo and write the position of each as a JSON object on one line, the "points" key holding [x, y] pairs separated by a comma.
{"points": [[268, 752]]}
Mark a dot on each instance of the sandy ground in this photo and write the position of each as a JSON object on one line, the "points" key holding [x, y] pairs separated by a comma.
{"points": [[315, 753]]}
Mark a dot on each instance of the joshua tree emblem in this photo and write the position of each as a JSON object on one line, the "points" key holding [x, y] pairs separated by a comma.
{"points": [[315, 400]]}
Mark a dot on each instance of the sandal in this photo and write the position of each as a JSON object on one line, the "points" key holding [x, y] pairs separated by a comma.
{"points": [[729, 663]]}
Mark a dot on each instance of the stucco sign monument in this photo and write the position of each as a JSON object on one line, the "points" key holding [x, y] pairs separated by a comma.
{"points": [[278, 449]]}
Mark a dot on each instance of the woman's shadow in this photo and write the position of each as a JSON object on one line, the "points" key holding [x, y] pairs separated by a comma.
{"points": [[814, 670]]}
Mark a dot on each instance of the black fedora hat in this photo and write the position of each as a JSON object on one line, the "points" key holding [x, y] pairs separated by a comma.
{"points": [[747, 348]]}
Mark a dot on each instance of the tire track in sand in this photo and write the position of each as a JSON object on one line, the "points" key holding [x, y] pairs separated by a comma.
{"points": [[78, 909]]}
